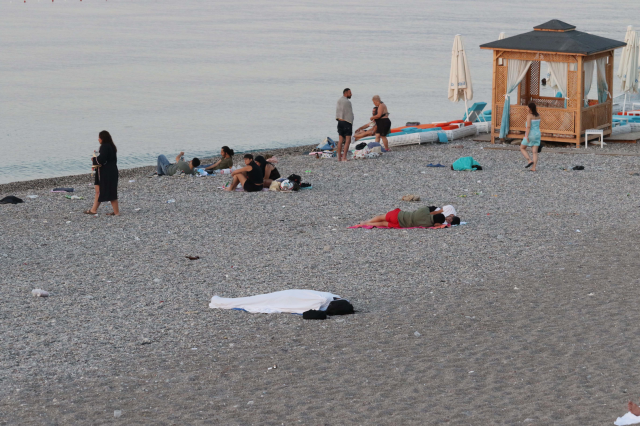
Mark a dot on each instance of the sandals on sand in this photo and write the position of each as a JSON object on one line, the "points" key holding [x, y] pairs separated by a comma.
{"points": [[112, 214], [528, 165], [89, 212]]}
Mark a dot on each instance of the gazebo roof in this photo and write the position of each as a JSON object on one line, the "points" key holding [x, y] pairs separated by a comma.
{"points": [[556, 36]]}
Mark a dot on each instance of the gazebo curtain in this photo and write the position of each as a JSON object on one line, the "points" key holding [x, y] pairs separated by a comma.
{"points": [[603, 87], [517, 70], [588, 79], [559, 74]]}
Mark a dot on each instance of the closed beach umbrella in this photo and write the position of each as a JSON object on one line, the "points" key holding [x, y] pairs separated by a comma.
{"points": [[628, 69], [460, 76]]}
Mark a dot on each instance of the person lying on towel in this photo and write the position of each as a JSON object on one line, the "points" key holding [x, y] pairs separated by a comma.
{"points": [[368, 129], [401, 219]]}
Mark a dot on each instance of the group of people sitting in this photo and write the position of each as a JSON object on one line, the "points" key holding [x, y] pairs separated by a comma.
{"points": [[257, 173], [425, 217]]}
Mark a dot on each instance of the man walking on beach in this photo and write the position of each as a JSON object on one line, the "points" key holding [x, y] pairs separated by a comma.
{"points": [[344, 116]]}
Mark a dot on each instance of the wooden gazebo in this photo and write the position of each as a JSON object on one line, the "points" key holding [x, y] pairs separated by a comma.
{"points": [[563, 119]]}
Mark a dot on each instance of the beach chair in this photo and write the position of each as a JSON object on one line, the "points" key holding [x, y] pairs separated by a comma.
{"points": [[475, 112]]}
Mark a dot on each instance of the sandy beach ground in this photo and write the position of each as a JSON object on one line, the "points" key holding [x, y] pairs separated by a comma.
{"points": [[514, 318]]}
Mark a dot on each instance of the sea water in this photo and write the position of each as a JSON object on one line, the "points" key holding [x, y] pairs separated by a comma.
{"points": [[164, 76]]}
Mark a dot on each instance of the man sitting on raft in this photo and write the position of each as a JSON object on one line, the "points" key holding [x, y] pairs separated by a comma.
{"points": [[400, 219], [250, 176], [368, 129]]}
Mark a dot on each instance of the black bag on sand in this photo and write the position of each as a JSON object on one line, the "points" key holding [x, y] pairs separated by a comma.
{"points": [[361, 145], [295, 179], [314, 315], [340, 307], [11, 199]]}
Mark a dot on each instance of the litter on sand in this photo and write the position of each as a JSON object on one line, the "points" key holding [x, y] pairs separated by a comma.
{"points": [[627, 419], [38, 292], [32, 196], [435, 165], [74, 197], [286, 301], [410, 197], [62, 190], [193, 257]]}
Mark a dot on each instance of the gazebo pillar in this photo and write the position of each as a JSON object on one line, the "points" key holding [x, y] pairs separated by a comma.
{"points": [[580, 103]]}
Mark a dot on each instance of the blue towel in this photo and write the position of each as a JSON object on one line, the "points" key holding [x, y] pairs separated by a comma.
{"points": [[442, 137]]}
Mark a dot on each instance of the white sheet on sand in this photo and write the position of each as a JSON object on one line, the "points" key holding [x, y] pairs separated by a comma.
{"points": [[627, 419], [290, 301]]}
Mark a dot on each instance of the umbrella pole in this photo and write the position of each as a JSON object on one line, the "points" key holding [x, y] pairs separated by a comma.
{"points": [[624, 104], [466, 108]]}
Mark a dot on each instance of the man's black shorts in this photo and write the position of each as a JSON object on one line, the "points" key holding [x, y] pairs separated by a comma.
{"points": [[345, 128]]}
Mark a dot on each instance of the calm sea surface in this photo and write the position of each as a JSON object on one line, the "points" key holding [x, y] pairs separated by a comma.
{"points": [[164, 76]]}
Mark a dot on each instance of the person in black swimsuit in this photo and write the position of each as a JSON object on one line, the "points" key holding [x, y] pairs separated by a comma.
{"points": [[250, 176], [269, 170], [383, 124]]}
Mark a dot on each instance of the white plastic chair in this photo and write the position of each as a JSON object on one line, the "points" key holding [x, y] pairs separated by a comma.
{"points": [[600, 133]]}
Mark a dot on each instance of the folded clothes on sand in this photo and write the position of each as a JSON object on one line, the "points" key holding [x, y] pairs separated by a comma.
{"points": [[286, 301], [627, 419]]}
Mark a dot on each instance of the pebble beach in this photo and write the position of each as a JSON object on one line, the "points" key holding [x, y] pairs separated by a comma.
{"points": [[524, 315]]}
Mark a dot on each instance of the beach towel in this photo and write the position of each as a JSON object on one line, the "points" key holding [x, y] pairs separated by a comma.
{"points": [[627, 419], [465, 163], [286, 301], [444, 225], [240, 189]]}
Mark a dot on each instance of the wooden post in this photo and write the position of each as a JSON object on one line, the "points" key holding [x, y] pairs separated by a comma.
{"points": [[610, 84], [580, 103], [493, 97]]}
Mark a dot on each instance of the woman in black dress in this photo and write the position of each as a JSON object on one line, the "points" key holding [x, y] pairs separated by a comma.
{"points": [[383, 124], [269, 170], [107, 175]]}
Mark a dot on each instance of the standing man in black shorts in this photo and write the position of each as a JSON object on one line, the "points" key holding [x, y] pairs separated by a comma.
{"points": [[344, 116]]}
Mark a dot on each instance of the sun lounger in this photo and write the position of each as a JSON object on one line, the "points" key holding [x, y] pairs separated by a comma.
{"points": [[475, 112]]}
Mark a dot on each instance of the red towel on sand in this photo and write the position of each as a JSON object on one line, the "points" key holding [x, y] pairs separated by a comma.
{"points": [[444, 225]]}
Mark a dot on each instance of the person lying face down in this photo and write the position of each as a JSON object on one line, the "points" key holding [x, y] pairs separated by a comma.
{"points": [[449, 213], [401, 219]]}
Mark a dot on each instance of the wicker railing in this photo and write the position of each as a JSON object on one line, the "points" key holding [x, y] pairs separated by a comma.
{"points": [[597, 116], [552, 120]]}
